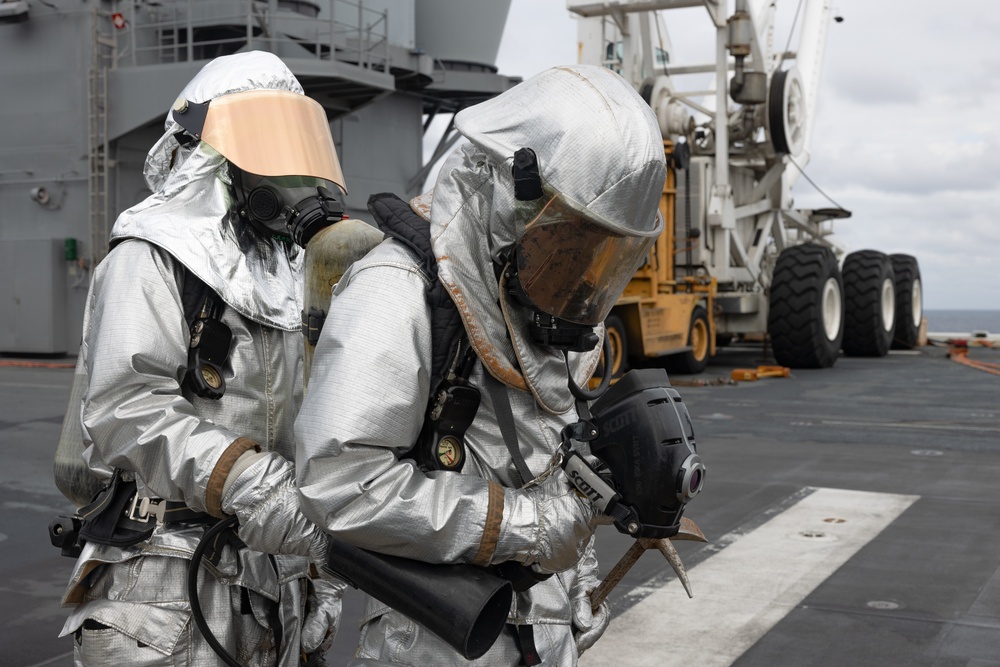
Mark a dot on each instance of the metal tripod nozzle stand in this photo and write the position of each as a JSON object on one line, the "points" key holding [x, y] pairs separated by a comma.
{"points": [[688, 531]]}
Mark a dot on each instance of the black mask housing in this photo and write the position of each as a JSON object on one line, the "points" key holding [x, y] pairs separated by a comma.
{"points": [[545, 329], [293, 206], [646, 441]]}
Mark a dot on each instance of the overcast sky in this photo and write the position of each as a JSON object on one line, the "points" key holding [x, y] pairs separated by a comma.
{"points": [[906, 134]]}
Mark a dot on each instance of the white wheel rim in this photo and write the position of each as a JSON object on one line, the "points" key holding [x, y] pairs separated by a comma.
{"points": [[795, 115], [888, 304], [833, 309], [917, 303]]}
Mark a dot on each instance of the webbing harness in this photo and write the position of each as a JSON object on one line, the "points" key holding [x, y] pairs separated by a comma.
{"points": [[451, 364]]}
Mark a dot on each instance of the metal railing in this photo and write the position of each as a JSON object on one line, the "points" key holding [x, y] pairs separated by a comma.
{"points": [[188, 30]]}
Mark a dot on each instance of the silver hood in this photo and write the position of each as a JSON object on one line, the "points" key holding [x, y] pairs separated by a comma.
{"points": [[598, 144], [188, 214]]}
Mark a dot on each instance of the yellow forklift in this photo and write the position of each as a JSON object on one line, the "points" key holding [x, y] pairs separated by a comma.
{"points": [[660, 320]]}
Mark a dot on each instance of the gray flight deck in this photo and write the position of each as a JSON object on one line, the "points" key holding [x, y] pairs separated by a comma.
{"points": [[923, 589]]}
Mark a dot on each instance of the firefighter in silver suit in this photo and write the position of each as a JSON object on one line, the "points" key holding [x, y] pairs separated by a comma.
{"points": [[242, 131], [571, 245]]}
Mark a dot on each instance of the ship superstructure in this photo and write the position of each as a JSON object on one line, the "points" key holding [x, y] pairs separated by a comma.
{"points": [[87, 85]]}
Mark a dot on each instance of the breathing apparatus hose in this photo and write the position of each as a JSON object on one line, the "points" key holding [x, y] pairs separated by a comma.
{"points": [[585, 394], [199, 618]]}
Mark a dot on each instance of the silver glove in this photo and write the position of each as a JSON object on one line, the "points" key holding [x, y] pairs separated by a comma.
{"points": [[264, 498], [547, 526], [323, 606], [588, 625]]}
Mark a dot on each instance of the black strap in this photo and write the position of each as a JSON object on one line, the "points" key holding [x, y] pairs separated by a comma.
{"points": [[524, 637], [312, 324], [397, 220], [219, 541], [273, 613], [176, 511], [193, 294], [505, 418]]}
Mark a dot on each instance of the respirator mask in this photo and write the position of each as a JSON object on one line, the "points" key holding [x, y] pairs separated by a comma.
{"points": [[650, 469], [293, 206], [568, 266], [286, 178]]}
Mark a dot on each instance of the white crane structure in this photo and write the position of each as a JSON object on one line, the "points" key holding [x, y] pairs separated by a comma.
{"points": [[739, 145]]}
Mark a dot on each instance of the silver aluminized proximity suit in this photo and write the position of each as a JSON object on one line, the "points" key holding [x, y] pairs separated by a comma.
{"points": [[598, 148], [131, 603]]}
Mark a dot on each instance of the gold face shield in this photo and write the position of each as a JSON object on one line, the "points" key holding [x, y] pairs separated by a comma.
{"points": [[574, 268], [266, 132]]}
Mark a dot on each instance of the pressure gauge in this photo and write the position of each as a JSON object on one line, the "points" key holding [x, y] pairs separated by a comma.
{"points": [[449, 453], [212, 376]]}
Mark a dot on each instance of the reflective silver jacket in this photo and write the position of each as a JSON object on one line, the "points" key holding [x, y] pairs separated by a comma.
{"points": [[365, 405]]}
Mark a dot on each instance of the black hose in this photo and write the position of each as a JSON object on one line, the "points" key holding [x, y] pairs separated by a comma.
{"points": [[199, 618], [585, 394]]}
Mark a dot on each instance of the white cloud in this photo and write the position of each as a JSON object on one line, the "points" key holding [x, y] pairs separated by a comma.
{"points": [[873, 88]]}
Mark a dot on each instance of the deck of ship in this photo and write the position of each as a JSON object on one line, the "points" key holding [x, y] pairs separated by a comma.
{"points": [[852, 515]]}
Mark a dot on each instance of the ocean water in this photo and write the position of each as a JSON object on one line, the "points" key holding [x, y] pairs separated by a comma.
{"points": [[963, 321]]}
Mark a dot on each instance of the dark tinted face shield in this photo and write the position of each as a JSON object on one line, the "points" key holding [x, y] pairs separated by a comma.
{"points": [[573, 267]]}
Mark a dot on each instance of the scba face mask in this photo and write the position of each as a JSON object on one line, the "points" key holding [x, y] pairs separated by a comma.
{"points": [[293, 206]]}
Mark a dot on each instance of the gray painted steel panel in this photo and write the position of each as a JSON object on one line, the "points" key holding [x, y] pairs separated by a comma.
{"points": [[475, 41], [33, 296], [380, 149], [49, 119]]}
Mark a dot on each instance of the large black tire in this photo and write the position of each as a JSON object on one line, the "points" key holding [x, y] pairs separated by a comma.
{"points": [[695, 360], [805, 310], [909, 301], [869, 304], [615, 329], [785, 118]]}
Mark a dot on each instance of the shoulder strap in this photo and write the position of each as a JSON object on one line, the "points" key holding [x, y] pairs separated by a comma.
{"points": [[396, 219], [194, 292], [508, 428]]}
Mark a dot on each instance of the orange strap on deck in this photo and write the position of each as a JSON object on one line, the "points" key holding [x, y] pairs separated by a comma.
{"points": [[958, 350], [753, 374]]}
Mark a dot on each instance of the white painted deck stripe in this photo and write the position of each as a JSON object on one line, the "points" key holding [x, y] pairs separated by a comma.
{"points": [[741, 592]]}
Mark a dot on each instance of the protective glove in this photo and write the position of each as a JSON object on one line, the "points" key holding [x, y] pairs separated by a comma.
{"points": [[546, 527], [322, 617], [261, 492], [588, 625]]}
